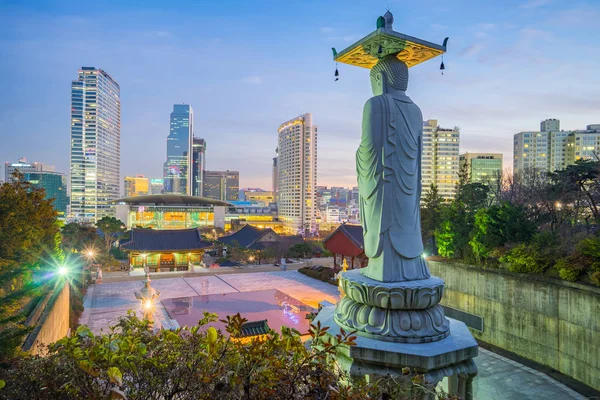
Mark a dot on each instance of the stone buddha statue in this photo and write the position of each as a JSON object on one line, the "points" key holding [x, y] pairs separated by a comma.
{"points": [[388, 164]]}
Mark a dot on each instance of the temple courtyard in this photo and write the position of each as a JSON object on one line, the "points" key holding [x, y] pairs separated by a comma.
{"points": [[498, 378]]}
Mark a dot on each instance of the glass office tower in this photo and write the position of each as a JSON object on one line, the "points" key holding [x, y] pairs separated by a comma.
{"points": [[177, 176], [95, 145], [198, 166]]}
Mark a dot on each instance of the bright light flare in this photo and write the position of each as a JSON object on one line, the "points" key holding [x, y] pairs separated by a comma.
{"points": [[62, 270], [148, 304], [424, 255]]}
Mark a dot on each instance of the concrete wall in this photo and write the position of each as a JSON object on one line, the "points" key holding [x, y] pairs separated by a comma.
{"points": [[552, 322], [50, 319]]}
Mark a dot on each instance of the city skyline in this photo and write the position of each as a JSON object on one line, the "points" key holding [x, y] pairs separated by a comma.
{"points": [[503, 75]]}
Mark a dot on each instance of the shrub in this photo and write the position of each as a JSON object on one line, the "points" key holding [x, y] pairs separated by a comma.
{"points": [[131, 362], [595, 277], [319, 272], [534, 257], [568, 269]]}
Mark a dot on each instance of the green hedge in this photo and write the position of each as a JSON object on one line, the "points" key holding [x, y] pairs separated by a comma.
{"points": [[321, 273]]}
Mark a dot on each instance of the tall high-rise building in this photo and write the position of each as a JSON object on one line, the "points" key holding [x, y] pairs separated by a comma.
{"points": [[157, 186], [136, 186], [440, 158], [297, 174], [551, 149], [274, 175], [482, 167], [55, 186], [177, 170], [198, 166], [24, 167], [95, 145], [222, 185]]}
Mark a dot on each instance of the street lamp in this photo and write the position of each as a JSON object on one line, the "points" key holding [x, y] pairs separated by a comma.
{"points": [[147, 295]]}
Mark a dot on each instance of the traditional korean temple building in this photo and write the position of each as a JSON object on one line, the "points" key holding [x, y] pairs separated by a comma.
{"points": [[165, 250], [347, 242], [252, 238]]}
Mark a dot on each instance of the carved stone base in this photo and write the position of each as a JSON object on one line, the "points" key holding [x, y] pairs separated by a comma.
{"points": [[405, 312], [373, 356], [404, 326]]}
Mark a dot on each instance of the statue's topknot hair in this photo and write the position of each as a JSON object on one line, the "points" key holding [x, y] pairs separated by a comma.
{"points": [[395, 70]]}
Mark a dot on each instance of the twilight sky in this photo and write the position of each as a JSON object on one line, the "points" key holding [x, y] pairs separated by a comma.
{"points": [[246, 66]]}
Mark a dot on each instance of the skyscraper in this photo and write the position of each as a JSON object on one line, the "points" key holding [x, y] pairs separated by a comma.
{"points": [[222, 185], [297, 174], [95, 144], [275, 176], [198, 166], [177, 173], [136, 185], [440, 158], [157, 186], [551, 149]]}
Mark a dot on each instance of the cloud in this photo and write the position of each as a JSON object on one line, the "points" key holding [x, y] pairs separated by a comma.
{"points": [[254, 80], [531, 4], [472, 50], [326, 29]]}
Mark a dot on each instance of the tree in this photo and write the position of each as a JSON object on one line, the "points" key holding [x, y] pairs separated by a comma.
{"points": [[431, 217], [111, 228], [198, 362], [497, 225], [300, 250], [78, 237], [29, 237]]}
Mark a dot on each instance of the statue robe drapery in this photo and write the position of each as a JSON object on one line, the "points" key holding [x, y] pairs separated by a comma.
{"points": [[388, 164]]}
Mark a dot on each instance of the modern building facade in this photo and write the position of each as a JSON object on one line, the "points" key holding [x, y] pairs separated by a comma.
{"points": [[440, 158], [24, 167], [482, 167], [222, 185], [552, 149], [262, 198], [157, 186], [95, 145], [275, 175], [136, 185], [177, 169], [198, 166], [55, 186], [297, 174]]}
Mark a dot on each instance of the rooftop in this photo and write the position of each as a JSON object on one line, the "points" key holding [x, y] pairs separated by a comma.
{"points": [[165, 240], [171, 200]]}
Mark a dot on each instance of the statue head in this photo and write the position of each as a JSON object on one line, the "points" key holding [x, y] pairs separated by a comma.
{"points": [[389, 74]]}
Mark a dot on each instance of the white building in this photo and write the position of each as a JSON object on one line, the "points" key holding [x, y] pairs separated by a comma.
{"points": [[551, 149], [95, 145], [440, 159], [24, 167], [297, 174]]}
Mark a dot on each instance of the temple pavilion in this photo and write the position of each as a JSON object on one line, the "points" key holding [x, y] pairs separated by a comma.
{"points": [[346, 242], [165, 250]]}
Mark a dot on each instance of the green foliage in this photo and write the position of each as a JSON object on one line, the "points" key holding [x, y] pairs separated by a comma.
{"points": [[196, 362], [111, 228], [533, 257], [78, 237], [568, 268], [431, 214], [497, 225], [324, 274], [28, 242], [300, 250]]}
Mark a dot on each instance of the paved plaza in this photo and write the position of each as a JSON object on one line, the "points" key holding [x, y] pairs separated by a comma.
{"points": [[499, 378]]}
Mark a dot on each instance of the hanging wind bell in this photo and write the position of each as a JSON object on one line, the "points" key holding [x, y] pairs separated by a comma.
{"points": [[380, 50], [442, 66], [336, 74]]}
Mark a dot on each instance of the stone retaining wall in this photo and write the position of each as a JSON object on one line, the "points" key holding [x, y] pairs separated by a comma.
{"points": [[549, 321], [50, 319]]}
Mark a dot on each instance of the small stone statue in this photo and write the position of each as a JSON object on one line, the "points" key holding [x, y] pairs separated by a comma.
{"points": [[388, 164]]}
